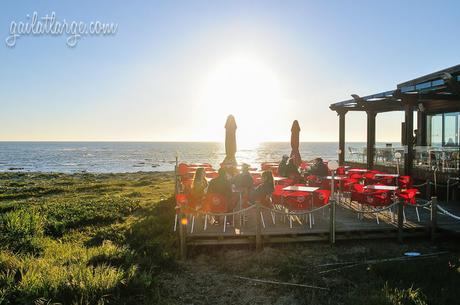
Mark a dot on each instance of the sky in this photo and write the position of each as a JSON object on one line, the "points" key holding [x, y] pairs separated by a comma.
{"points": [[174, 70]]}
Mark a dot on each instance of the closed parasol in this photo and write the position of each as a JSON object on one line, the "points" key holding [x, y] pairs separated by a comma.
{"points": [[295, 154], [230, 141]]}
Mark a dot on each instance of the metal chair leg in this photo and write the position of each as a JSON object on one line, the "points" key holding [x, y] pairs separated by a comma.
{"points": [[193, 224], [175, 223], [418, 215], [225, 222], [205, 222], [262, 218]]}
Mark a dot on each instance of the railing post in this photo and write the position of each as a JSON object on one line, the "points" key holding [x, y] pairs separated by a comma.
{"points": [[400, 220], [332, 221], [434, 214], [183, 236], [428, 188], [258, 229]]}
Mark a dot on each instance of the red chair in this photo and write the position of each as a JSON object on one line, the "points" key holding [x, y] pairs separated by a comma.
{"points": [[340, 171], [298, 202], [321, 197], [369, 178], [185, 205], [183, 169], [348, 183], [405, 182], [214, 203], [384, 180], [409, 197], [313, 180], [376, 199]]}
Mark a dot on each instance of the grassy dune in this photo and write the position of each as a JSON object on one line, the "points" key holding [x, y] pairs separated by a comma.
{"points": [[84, 239], [107, 239]]}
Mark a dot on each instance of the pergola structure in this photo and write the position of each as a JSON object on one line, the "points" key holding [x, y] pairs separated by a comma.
{"points": [[438, 92]]}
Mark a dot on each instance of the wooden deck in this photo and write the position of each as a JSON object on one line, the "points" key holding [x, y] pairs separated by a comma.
{"points": [[348, 226]]}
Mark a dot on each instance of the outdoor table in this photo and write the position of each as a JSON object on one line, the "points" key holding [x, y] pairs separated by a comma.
{"points": [[308, 189], [341, 177], [390, 188], [387, 175], [358, 170], [382, 187], [278, 179]]}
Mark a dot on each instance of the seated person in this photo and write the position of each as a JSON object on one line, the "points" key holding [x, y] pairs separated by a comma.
{"points": [[244, 180], [292, 171], [221, 185], [319, 168], [264, 189], [282, 166], [199, 186]]}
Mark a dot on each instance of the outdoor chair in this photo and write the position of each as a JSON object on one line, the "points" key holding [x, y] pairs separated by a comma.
{"points": [[405, 182], [409, 197], [298, 202], [187, 206], [214, 203], [377, 199]]}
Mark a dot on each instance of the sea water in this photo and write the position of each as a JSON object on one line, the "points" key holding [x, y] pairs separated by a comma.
{"points": [[116, 157]]}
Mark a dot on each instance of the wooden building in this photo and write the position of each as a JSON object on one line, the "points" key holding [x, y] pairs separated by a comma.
{"points": [[434, 101]]}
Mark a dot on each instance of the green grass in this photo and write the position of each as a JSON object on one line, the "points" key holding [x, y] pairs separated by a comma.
{"points": [[84, 239], [108, 239]]}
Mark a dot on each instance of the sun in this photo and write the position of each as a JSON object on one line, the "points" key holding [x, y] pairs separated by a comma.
{"points": [[247, 88]]}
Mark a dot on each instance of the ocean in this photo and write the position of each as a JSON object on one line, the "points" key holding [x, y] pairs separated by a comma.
{"points": [[121, 157]]}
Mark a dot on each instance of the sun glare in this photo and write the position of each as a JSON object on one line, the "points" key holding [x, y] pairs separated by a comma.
{"points": [[248, 89]]}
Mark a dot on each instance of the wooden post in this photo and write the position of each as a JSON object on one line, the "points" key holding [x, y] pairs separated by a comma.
{"points": [[342, 137], [259, 245], [400, 220], [332, 213], [434, 214], [370, 138], [421, 128], [409, 152], [182, 225]]}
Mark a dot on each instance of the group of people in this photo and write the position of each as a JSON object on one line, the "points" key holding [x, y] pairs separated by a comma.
{"points": [[230, 183], [229, 179], [288, 169]]}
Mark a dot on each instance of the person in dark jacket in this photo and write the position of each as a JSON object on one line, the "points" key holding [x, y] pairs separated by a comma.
{"points": [[243, 180], [319, 168], [282, 166], [221, 185], [265, 188], [292, 172]]}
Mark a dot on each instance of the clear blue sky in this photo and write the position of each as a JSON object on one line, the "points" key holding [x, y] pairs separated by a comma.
{"points": [[174, 68]]}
